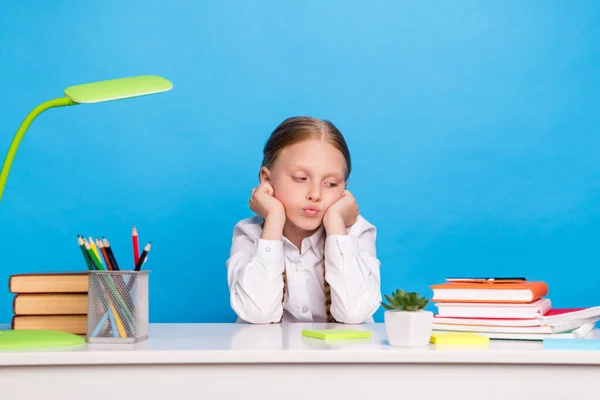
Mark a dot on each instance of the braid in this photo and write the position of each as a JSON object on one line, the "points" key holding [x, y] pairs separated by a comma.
{"points": [[284, 276], [327, 297]]}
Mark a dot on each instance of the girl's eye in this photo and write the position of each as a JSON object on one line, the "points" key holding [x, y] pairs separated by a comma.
{"points": [[331, 184], [299, 178]]}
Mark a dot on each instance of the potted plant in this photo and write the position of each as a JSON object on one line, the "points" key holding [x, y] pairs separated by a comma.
{"points": [[407, 324]]}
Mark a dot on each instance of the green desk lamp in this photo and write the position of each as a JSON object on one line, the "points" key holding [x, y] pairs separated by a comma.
{"points": [[87, 93]]}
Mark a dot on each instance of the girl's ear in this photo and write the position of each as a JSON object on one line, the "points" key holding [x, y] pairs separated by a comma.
{"points": [[264, 175]]}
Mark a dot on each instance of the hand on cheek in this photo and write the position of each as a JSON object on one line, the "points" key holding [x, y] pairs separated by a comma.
{"points": [[341, 214], [264, 203]]}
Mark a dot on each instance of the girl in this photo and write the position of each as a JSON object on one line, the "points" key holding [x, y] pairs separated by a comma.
{"points": [[308, 255]]}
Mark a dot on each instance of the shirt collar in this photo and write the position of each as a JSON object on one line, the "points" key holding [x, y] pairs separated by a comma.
{"points": [[315, 242]]}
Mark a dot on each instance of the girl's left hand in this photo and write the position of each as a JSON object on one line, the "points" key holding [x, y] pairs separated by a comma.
{"points": [[344, 210]]}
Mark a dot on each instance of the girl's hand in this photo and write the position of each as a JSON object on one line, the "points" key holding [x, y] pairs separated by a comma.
{"points": [[341, 214], [265, 204]]}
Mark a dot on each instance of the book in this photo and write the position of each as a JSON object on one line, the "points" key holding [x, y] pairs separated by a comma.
{"points": [[49, 282], [555, 328], [336, 334], [487, 321], [495, 310], [76, 324], [580, 332], [489, 292], [458, 338], [50, 303], [558, 315], [553, 316]]}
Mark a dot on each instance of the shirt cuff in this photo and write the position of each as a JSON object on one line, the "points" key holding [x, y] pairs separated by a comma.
{"points": [[342, 244]]}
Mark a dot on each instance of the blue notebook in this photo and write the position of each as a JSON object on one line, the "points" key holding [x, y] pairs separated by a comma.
{"points": [[572, 344]]}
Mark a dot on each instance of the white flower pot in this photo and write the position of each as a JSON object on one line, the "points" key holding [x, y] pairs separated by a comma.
{"points": [[408, 328]]}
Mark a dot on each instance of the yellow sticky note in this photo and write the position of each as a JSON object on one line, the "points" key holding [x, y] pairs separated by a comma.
{"points": [[459, 338], [336, 334]]}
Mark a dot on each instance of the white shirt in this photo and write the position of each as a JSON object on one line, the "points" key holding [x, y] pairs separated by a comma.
{"points": [[255, 267]]}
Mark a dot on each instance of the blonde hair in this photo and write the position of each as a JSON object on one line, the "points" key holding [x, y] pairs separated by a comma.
{"points": [[294, 130]]}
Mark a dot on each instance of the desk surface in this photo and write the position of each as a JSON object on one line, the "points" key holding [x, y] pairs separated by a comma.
{"points": [[283, 343]]}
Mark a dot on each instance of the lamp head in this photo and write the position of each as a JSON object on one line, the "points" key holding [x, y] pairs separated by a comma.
{"points": [[115, 89], [95, 92]]}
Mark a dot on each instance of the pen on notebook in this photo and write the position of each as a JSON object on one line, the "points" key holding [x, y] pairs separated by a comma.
{"points": [[143, 257], [136, 245]]}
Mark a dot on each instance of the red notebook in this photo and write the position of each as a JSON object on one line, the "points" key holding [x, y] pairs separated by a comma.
{"points": [[489, 292]]}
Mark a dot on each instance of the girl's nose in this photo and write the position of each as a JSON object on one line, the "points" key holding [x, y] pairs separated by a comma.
{"points": [[314, 193]]}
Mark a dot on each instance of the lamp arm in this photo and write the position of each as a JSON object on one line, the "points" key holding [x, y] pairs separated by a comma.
{"points": [[12, 150]]}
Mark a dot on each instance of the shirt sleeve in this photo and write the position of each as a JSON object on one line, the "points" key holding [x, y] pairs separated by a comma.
{"points": [[352, 271], [254, 276]]}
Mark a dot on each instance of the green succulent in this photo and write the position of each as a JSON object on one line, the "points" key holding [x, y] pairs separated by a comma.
{"points": [[400, 300]]}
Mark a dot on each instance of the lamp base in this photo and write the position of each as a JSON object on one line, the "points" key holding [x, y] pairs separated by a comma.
{"points": [[37, 339]]}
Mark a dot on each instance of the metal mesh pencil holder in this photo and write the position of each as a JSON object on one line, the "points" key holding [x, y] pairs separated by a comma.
{"points": [[117, 306]]}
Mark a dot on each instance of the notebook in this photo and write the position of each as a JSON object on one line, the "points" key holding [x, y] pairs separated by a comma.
{"points": [[494, 310], [580, 332], [489, 292], [555, 316], [555, 328], [558, 315]]}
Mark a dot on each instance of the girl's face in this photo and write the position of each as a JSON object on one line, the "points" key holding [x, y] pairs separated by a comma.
{"points": [[307, 178]]}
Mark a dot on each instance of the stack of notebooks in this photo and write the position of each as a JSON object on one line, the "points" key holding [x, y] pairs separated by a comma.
{"points": [[55, 301], [507, 309]]}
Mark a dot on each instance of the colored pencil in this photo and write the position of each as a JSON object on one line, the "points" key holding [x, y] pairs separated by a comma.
{"points": [[100, 245], [88, 262], [95, 250], [92, 255], [109, 281], [136, 245], [110, 253], [104, 244], [142, 258], [100, 325]]}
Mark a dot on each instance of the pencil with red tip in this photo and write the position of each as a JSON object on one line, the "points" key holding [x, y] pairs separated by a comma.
{"points": [[136, 246]]}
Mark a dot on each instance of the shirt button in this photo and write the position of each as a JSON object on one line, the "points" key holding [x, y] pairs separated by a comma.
{"points": [[267, 249], [304, 310]]}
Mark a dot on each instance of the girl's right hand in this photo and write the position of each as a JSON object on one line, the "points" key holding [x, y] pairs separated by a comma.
{"points": [[265, 204]]}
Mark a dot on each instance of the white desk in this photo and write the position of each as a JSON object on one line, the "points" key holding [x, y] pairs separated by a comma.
{"points": [[236, 361]]}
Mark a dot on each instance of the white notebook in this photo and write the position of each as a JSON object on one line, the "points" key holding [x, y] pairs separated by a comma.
{"points": [[495, 310]]}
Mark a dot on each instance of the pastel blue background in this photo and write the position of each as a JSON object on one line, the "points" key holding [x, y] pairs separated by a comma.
{"points": [[473, 128]]}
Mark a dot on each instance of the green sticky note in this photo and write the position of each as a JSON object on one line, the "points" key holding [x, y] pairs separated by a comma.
{"points": [[336, 334], [36, 339]]}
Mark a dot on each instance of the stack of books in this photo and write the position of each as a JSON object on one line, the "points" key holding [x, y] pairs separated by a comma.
{"points": [[50, 300], [507, 309]]}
